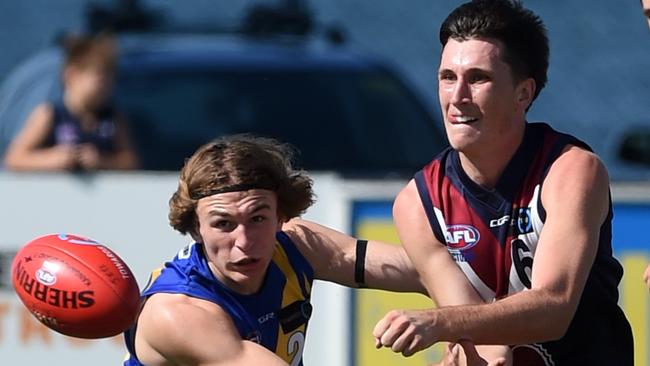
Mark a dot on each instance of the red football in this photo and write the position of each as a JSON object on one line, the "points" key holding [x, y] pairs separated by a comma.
{"points": [[76, 286]]}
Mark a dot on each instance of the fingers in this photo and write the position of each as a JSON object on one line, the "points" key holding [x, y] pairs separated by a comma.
{"points": [[470, 351], [382, 327], [403, 331], [396, 331], [498, 362], [452, 354]]}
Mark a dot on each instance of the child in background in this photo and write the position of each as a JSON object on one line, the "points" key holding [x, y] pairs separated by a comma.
{"points": [[82, 131]]}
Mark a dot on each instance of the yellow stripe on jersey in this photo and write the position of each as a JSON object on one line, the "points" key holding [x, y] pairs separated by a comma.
{"points": [[635, 304], [289, 345], [152, 277]]}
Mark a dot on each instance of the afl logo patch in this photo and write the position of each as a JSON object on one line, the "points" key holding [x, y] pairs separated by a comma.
{"points": [[461, 237], [47, 273]]}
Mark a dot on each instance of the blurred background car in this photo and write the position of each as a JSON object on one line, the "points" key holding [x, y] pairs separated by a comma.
{"points": [[275, 75]]}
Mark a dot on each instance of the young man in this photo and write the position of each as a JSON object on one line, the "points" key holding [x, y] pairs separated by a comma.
{"points": [[240, 294], [510, 227]]}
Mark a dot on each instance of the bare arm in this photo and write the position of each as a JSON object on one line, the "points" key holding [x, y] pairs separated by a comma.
{"points": [[576, 208], [24, 152], [332, 254], [445, 282], [179, 330], [646, 276]]}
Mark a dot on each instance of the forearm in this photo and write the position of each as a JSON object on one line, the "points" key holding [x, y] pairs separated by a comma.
{"points": [[40, 159], [526, 317], [387, 267]]}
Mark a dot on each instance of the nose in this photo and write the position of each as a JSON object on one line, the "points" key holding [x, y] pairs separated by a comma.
{"points": [[243, 238], [461, 93]]}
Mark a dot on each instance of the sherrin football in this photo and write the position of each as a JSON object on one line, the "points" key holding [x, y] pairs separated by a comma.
{"points": [[76, 286]]}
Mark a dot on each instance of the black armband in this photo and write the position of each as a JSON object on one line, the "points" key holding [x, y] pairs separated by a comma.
{"points": [[360, 263]]}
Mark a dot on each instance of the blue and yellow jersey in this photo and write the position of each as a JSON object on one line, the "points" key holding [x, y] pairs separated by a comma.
{"points": [[276, 317]]}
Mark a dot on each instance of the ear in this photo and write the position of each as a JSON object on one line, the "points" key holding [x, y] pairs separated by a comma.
{"points": [[281, 221], [195, 232], [525, 92]]}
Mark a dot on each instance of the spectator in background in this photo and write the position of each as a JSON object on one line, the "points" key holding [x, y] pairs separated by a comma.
{"points": [[82, 131]]}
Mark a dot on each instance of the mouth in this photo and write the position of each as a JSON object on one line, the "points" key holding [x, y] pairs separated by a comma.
{"points": [[245, 263], [461, 119]]}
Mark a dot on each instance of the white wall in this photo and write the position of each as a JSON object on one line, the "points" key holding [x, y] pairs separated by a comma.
{"points": [[128, 213]]}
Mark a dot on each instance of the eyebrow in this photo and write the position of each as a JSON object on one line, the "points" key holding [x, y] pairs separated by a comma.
{"points": [[472, 70], [221, 212]]}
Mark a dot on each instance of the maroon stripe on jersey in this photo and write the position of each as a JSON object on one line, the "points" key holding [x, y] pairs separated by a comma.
{"points": [[462, 222]]}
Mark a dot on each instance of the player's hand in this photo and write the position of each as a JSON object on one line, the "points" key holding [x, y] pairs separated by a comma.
{"points": [[475, 359], [88, 156], [646, 277], [454, 357], [451, 356], [406, 331]]}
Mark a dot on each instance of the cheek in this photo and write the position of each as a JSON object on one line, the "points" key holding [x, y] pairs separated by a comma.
{"points": [[218, 244]]}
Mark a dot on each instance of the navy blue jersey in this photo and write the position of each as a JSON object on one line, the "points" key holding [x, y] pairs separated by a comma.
{"points": [[275, 317], [66, 129], [493, 234]]}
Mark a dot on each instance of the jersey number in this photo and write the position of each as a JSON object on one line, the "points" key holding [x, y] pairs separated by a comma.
{"points": [[522, 260], [295, 345]]}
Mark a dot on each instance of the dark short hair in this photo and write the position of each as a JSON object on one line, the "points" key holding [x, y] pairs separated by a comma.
{"points": [[237, 163], [522, 32]]}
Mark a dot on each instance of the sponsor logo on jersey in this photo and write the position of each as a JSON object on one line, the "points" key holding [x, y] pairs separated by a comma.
{"points": [[500, 221], [266, 317], [524, 223], [461, 237]]}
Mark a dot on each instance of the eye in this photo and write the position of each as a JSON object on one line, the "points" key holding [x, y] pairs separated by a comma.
{"points": [[223, 225], [446, 76], [478, 78], [258, 218]]}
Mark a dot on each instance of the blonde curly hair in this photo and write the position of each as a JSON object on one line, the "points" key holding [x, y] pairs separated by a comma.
{"points": [[238, 163]]}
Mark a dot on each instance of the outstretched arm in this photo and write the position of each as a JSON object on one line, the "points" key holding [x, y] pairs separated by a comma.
{"points": [[333, 256]]}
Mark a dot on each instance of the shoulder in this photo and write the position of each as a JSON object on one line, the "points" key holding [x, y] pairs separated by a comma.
{"points": [[576, 165], [408, 201], [44, 111], [176, 326], [314, 242], [577, 176]]}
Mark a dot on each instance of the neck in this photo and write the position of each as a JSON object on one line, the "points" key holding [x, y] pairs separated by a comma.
{"points": [[242, 289], [485, 166]]}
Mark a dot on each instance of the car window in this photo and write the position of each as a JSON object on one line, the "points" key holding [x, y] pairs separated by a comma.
{"points": [[352, 121]]}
